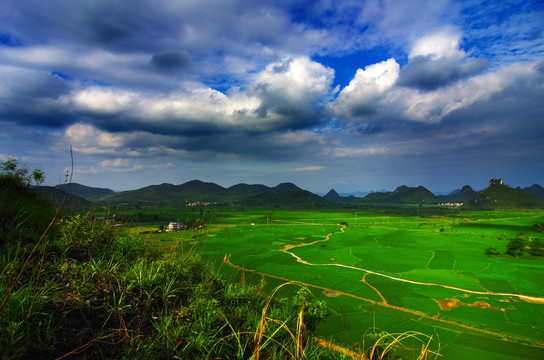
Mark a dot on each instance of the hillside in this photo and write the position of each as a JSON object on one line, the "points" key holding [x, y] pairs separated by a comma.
{"points": [[499, 196], [458, 195], [402, 195], [86, 192], [56, 196], [287, 195], [535, 189], [240, 191]]}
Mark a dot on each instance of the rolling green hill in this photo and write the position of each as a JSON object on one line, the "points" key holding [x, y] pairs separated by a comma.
{"points": [[56, 197], [191, 191], [287, 195], [499, 196], [244, 190], [402, 195], [86, 192]]}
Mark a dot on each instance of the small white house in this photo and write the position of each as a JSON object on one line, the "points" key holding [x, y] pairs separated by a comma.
{"points": [[173, 227]]}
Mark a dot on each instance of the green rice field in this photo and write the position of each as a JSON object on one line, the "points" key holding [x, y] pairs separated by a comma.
{"points": [[396, 273]]}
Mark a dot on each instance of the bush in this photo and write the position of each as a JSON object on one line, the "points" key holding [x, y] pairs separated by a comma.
{"points": [[516, 246], [536, 247], [491, 251], [20, 176]]}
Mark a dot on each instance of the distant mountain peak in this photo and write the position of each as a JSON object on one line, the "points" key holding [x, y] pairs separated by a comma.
{"points": [[332, 195], [286, 187], [535, 189], [332, 192], [403, 194]]}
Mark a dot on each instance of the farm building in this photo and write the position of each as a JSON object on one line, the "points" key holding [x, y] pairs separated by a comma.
{"points": [[173, 227]]}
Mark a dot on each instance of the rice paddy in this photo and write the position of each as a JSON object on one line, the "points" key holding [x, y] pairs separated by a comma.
{"points": [[399, 273]]}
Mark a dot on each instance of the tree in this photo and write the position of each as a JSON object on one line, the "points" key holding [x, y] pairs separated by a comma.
{"points": [[536, 247], [38, 176], [21, 176], [516, 246]]}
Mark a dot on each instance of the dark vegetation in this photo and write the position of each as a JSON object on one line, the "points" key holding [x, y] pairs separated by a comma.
{"points": [[73, 287], [520, 245], [56, 197], [89, 193]]}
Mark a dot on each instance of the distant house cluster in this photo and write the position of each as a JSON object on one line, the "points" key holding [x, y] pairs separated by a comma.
{"points": [[452, 204], [190, 224], [201, 203]]}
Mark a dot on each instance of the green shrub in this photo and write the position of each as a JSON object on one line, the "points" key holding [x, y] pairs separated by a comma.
{"points": [[491, 251]]}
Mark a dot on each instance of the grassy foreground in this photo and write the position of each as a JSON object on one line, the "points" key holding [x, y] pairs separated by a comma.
{"points": [[83, 290]]}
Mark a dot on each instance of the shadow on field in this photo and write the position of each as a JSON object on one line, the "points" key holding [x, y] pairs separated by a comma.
{"points": [[517, 228]]}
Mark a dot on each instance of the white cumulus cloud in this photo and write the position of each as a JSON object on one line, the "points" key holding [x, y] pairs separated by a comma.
{"points": [[367, 92]]}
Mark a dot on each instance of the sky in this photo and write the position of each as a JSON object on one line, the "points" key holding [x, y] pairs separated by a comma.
{"points": [[345, 94]]}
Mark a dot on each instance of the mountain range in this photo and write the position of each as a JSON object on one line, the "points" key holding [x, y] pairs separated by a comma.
{"points": [[197, 192]]}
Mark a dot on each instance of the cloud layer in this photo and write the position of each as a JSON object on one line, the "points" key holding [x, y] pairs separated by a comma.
{"points": [[241, 89]]}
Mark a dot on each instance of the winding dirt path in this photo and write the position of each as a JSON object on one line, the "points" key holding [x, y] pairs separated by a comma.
{"points": [[285, 249]]}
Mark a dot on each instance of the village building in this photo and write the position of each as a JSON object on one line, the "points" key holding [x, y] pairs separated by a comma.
{"points": [[496, 182], [173, 227]]}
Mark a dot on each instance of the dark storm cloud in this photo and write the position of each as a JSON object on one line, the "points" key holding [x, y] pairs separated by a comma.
{"points": [[122, 123], [505, 128], [121, 25], [246, 146], [171, 60], [427, 73], [290, 113], [370, 128], [34, 98]]}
